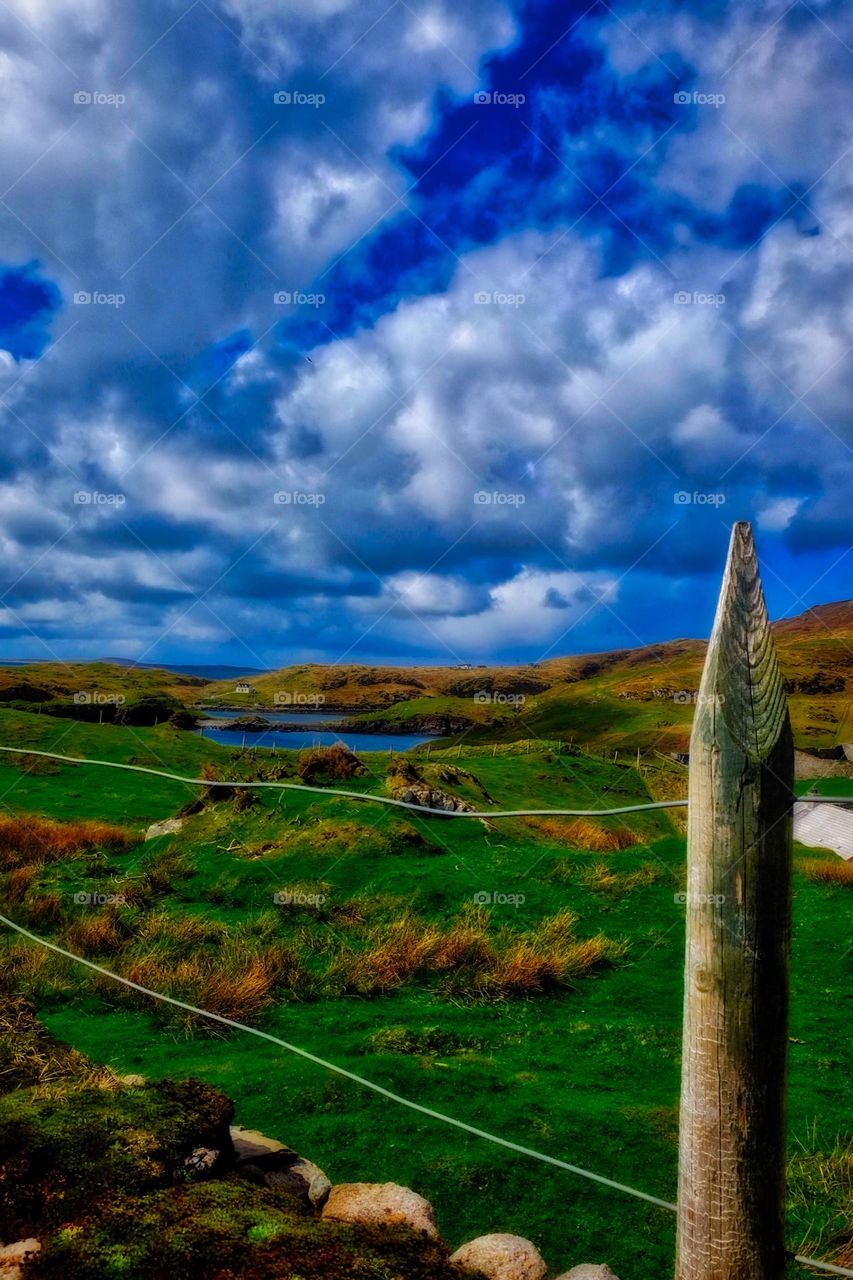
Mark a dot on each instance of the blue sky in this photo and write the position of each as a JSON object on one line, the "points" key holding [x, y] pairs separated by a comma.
{"points": [[417, 331]]}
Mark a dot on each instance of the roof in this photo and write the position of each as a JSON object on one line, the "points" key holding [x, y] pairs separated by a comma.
{"points": [[824, 826]]}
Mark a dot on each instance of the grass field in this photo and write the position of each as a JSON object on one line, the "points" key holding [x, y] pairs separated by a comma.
{"points": [[579, 1060]]}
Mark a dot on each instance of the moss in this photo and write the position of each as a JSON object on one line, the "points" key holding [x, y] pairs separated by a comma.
{"points": [[229, 1229], [62, 1150]]}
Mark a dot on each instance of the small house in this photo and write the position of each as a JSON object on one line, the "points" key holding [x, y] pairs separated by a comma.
{"points": [[242, 687]]}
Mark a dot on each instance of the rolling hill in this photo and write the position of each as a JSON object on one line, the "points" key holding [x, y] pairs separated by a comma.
{"points": [[627, 698]]}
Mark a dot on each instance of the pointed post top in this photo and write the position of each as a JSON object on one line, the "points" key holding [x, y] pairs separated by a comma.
{"points": [[741, 681]]}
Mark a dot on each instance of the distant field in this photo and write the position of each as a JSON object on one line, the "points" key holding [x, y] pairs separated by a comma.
{"points": [[585, 1067]]}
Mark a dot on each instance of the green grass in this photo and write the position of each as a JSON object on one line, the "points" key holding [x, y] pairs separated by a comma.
{"points": [[591, 1075]]}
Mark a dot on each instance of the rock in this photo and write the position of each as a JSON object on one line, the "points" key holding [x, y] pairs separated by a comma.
{"points": [[166, 828], [381, 1204], [589, 1271], [502, 1257], [271, 1164], [432, 798], [200, 1163], [13, 1257]]}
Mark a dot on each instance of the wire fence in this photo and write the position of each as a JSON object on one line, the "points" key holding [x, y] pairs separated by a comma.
{"points": [[362, 1081]]}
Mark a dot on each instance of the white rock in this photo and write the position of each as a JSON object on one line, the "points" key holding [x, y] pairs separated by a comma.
{"points": [[502, 1257], [589, 1271], [13, 1257], [165, 828], [380, 1204]]}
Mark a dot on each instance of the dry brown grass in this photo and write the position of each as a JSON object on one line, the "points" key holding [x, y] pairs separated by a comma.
{"points": [[95, 934], [584, 833], [33, 840], [18, 881], [235, 980], [470, 957], [827, 871]]}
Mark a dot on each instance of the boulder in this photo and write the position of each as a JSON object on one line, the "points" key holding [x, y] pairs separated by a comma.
{"points": [[270, 1163], [13, 1257], [502, 1257], [589, 1271], [381, 1204]]}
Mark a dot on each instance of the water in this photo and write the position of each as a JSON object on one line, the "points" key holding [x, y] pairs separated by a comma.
{"points": [[298, 739], [293, 717]]}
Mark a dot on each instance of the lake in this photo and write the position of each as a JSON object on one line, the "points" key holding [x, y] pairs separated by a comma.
{"points": [[310, 734]]}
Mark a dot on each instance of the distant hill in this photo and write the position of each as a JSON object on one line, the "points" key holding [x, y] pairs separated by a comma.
{"points": [[633, 697], [628, 698]]}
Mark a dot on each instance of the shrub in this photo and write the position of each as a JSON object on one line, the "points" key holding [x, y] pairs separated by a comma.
{"points": [[323, 764]]}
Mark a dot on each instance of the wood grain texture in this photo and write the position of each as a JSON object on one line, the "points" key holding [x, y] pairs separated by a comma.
{"points": [[732, 1127]]}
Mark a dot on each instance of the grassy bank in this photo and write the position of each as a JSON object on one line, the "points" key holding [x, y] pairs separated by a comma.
{"points": [[582, 1063]]}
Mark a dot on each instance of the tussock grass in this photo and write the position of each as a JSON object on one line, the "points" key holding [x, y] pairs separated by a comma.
{"points": [[827, 871], [610, 881], [821, 1173], [584, 833], [470, 957], [235, 981], [32, 840]]}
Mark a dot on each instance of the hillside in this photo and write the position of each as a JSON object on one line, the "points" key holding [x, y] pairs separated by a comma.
{"points": [[630, 697], [626, 698]]}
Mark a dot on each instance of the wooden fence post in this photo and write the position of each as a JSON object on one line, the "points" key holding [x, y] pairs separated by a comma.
{"points": [[732, 1127]]}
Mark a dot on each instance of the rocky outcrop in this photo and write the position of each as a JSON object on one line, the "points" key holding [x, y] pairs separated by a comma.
{"points": [[502, 1257], [432, 798], [378, 1204]]}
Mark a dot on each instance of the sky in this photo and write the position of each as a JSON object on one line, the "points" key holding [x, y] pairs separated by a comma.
{"points": [[421, 331]]}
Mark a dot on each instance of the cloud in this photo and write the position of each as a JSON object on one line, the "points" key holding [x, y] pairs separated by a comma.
{"points": [[539, 324]]}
